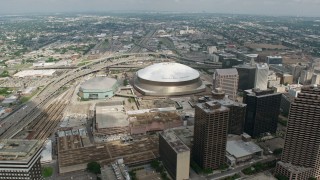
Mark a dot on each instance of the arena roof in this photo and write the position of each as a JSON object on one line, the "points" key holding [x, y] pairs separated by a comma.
{"points": [[168, 72], [98, 83]]}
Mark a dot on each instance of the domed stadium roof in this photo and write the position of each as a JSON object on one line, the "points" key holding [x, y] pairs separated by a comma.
{"points": [[168, 72], [168, 79], [98, 83]]}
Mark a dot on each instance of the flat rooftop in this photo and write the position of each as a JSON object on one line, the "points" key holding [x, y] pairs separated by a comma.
{"points": [[157, 116], [174, 141], [18, 149], [227, 72], [212, 107], [27, 73], [228, 102], [185, 134], [111, 116], [240, 148]]}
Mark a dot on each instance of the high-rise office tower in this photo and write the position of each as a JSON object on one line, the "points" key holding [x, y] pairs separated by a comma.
{"points": [[227, 80], [263, 108], [175, 155], [237, 112], [247, 73], [301, 154], [261, 78], [210, 134]]}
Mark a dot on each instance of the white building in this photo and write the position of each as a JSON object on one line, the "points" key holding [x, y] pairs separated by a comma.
{"points": [[212, 49], [261, 79]]}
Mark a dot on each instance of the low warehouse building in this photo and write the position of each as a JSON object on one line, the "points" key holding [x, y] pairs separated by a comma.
{"points": [[98, 88], [239, 151]]}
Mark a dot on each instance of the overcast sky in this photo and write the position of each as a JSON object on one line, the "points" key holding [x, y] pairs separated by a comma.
{"points": [[262, 7]]}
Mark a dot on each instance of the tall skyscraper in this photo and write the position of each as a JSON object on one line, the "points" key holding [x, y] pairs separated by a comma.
{"points": [[227, 80], [210, 134], [261, 78], [247, 73], [237, 112], [175, 155], [263, 108], [301, 158]]}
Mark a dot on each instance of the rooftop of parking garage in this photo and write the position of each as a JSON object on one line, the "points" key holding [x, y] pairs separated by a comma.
{"points": [[18, 149]]}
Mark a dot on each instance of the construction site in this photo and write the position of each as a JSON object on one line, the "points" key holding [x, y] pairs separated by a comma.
{"points": [[72, 157]]}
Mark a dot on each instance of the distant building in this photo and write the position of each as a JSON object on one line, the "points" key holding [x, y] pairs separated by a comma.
{"points": [[9, 100], [210, 134], [315, 79], [250, 57], [273, 79], [261, 76], [20, 159], [263, 108], [212, 49], [227, 80], [300, 157], [286, 79], [296, 72], [175, 155], [224, 56], [229, 63], [306, 77], [247, 73], [274, 60]]}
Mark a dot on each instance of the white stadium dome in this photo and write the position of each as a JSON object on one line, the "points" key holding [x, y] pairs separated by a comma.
{"points": [[168, 72], [165, 79]]}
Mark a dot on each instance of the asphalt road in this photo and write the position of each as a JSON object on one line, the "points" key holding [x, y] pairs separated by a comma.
{"points": [[236, 170]]}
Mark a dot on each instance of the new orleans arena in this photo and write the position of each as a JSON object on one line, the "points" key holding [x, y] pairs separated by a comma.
{"points": [[168, 79]]}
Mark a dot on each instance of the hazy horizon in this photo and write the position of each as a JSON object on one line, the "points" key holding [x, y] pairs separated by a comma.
{"points": [[309, 8]]}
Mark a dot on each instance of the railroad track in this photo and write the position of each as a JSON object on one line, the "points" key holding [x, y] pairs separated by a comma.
{"points": [[43, 126]]}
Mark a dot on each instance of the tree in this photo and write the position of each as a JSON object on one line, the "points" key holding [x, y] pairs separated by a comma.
{"points": [[47, 171], [125, 82], [155, 164], [281, 177], [277, 151], [94, 167]]}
